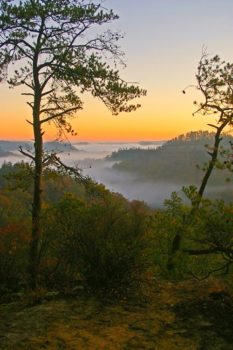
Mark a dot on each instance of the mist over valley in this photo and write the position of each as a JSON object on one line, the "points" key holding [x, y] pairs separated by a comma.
{"points": [[146, 171]]}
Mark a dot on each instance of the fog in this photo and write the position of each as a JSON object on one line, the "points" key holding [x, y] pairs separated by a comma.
{"points": [[128, 185], [90, 158]]}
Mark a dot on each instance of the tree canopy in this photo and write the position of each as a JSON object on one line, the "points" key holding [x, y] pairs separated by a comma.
{"points": [[59, 51], [60, 54]]}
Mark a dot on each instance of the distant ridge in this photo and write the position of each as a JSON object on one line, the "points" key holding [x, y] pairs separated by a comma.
{"points": [[145, 143], [7, 147]]}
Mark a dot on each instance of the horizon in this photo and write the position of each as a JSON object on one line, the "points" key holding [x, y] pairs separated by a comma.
{"points": [[85, 141], [110, 141]]}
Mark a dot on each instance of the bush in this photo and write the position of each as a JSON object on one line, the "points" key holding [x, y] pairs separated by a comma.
{"points": [[100, 242], [206, 239], [13, 256]]}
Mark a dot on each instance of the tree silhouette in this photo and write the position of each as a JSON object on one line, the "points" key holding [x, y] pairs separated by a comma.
{"points": [[59, 55], [215, 82]]}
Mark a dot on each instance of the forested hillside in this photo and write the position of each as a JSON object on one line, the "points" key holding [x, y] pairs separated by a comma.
{"points": [[179, 160]]}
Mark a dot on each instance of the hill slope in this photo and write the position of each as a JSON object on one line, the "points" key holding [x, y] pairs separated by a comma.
{"points": [[175, 161]]}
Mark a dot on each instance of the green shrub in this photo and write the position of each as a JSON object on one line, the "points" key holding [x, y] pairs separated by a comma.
{"points": [[207, 238], [101, 242]]}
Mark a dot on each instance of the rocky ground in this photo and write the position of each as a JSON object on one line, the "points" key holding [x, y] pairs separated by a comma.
{"points": [[184, 316]]}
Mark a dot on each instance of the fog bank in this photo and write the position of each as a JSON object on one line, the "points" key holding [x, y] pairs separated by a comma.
{"points": [[90, 158]]}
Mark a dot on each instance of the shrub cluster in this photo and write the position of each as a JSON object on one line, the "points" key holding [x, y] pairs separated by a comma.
{"points": [[100, 242]]}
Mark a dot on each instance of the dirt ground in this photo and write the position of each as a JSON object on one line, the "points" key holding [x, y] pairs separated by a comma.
{"points": [[184, 316]]}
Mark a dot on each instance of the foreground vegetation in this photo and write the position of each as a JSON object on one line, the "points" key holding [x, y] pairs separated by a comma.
{"points": [[99, 240], [89, 234]]}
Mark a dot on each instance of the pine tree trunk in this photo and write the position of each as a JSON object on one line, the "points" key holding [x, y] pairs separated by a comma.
{"points": [[33, 262], [176, 244], [37, 194]]}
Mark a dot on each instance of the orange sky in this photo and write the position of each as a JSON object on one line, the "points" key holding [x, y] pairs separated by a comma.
{"points": [[158, 118], [162, 54]]}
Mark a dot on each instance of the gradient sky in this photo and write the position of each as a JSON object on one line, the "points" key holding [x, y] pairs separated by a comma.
{"points": [[163, 44]]}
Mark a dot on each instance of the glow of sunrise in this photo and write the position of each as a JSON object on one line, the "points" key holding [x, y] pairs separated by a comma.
{"points": [[163, 45]]}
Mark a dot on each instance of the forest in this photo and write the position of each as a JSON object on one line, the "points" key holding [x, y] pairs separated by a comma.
{"points": [[189, 152], [82, 267]]}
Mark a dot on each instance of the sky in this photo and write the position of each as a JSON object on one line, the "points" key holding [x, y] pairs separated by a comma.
{"points": [[163, 41]]}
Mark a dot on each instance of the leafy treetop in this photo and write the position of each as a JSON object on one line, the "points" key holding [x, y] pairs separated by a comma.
{"points": [[59, 52]]}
